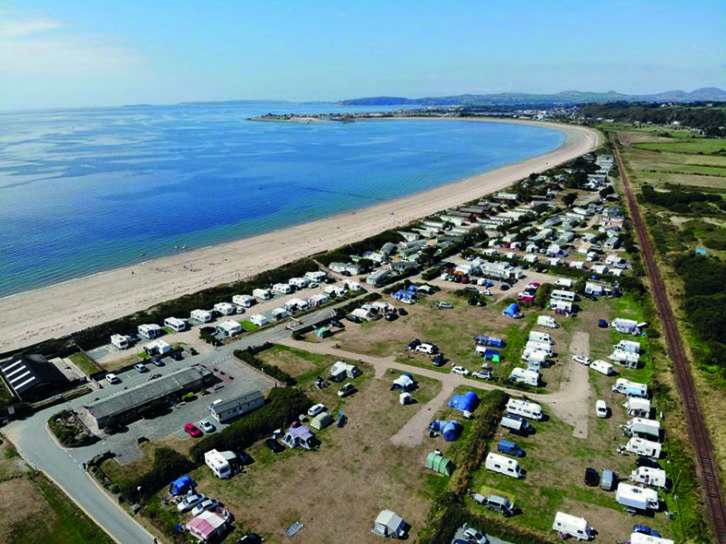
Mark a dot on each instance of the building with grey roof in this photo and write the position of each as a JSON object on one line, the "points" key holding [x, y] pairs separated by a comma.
{"points": [[125, 405], [224, 410]]}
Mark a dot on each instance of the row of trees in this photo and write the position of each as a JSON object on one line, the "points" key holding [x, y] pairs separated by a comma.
{"points": [[680, 200]]}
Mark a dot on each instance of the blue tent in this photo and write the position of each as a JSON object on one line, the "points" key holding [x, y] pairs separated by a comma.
{"points": [[492, 355], [465, 403], [451, 430], [180, 486], [512, 310]]}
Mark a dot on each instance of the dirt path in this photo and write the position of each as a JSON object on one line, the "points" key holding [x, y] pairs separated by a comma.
{"points": [[572, 401], [412, 433]]}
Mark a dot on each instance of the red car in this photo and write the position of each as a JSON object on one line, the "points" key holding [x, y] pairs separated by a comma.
{"points": [[192, 430]]}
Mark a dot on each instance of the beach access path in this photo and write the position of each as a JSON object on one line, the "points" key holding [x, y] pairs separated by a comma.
{"points": [[58, 310]]}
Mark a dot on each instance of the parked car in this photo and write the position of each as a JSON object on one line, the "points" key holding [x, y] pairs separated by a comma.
{"points": [[274, 446], [482, 375], [251, 538], [602, 323], [582, 359], [192, 430], [644, 529], [244, 458], [177, 355], [460, 370], [157, 361], [592, 477], [190, 501], [505, 287], [207, 426], [439, 359], [391, 316], [206, 504], [646, 462], [442, 304], [353, 318], [413, 344], [141, 367], [429, 349], [346, 390], [112, 378], [316, 409], [402, 311]]}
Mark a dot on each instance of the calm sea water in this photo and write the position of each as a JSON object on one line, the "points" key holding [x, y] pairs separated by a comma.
{"points": [[83, 191]]}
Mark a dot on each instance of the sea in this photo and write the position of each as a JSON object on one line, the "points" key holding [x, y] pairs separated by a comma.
{"points": [[88, 190]]}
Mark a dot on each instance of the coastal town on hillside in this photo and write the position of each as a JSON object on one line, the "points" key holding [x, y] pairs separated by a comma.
{"points": [[372, 371]]}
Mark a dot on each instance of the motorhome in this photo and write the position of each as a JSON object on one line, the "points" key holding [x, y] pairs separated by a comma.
{"points": [[625, 358], [567, 296], [637, 498], [121, 341], [643, 447], [537, 336], [603, 367], [629, 346], [524, 376], [203, 316], [503, 465], [655, 477], [220, 462], [566, 524], [547, 321], [530, 410], [632, 389], [225, 308], [282, 288], [517, 424]]}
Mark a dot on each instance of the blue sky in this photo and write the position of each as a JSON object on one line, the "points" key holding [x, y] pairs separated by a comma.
{"points": [[102, 52]]}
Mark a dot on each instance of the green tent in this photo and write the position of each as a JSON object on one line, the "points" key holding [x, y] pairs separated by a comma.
{"points": [[439, 463]]}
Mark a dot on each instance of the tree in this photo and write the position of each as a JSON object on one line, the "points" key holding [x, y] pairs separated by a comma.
{"points": [[569, 199]]}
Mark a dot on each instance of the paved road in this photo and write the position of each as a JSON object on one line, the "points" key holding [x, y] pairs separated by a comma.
{"points": [[37, 447]]}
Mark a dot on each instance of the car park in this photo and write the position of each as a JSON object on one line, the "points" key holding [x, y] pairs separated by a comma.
{"points": [[458, 369], [274, 446], [206, 504], [581, 359], [316, 409], [189, 502], [112, 378], [207, 426], [141, 367], [192, 430], [346, 390], [592, 477]]}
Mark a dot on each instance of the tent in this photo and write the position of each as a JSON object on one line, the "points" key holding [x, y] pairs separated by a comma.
{"points": [[405, 398], [512, 311], [492, 355], [450, 429], [464, 403], [180, 486], [207, 526], [439, 463], [403, 382], [321, 421]]}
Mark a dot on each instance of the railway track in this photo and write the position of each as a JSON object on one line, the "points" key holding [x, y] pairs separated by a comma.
{"points": [[705, 463]]}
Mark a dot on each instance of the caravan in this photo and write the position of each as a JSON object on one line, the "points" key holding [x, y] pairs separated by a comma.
{"points": [[632, 389], [537, 336], [533, 345], [503, 465], [643, 447], [655, 477], [625, 358], [637, 498], [642, 426], [219, 462], [637, 407], [525, 377], [567, 296], [516, 424], [547, 321], [524, 408], [602, 367]]}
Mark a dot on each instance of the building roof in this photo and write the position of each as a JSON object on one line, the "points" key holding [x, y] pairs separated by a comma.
{"points": [[140, 395], [231, 403], [28, 371]]}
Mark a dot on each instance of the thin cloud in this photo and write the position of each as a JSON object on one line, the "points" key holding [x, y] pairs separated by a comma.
{"points": [[44, 47]]}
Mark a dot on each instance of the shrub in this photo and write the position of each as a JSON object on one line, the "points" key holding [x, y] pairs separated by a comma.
{"points": [[168, 465]]}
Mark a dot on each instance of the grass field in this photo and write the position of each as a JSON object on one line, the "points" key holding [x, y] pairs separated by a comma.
{"points": [[84, 363]]}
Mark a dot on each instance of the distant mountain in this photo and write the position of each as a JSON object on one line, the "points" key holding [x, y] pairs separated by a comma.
{"points": [[564, 98]]}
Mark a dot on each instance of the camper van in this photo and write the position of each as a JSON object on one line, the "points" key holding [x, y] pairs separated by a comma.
{"points": [[219, 462], [625, 358], [510, 448], [628, 345], [649, 476], [524, 408], [503, 465], [637, 498], [567, 296], [516, 424], [537, 336], [603, 367], [547, 321], [566, 524], [642, 426], [541, 346], [643, 447], [526, 377], [637, 407]]}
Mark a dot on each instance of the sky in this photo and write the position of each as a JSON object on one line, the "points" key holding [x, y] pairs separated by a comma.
{"points": [[78, 53]]}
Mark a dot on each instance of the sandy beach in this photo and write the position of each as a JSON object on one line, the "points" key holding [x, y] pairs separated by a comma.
{"points": [[57, 310]]}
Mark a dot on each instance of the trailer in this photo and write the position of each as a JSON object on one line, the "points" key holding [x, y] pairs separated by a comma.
{"points": [[642, 426], [524, 376], [625, 358], [541, 346], [626, 326], [569, 525], [631, 389], [535, 357], [547, 321], [655, 477], [516, 424], [524, 408], [491, 341], [637, 407], [560, 294], [503, 465], [637, 498], [643, 447], [603, 367]]}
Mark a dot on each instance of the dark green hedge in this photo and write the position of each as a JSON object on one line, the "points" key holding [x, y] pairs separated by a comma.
{"points": [[168, 466]]}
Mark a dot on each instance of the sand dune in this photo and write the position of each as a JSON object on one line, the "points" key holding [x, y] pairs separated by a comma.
{"points": [[57, 310]]}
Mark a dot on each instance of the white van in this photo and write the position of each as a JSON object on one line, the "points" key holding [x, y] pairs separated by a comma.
{"points": [[503, 465], [537, 336], [524, 408], [547, 321]]}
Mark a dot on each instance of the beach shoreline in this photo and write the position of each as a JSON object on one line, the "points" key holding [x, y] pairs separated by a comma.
{"points": [[32, 316]]}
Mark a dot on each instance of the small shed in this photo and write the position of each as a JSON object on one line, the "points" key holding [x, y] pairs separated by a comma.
{"points": [[438, 463]]}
